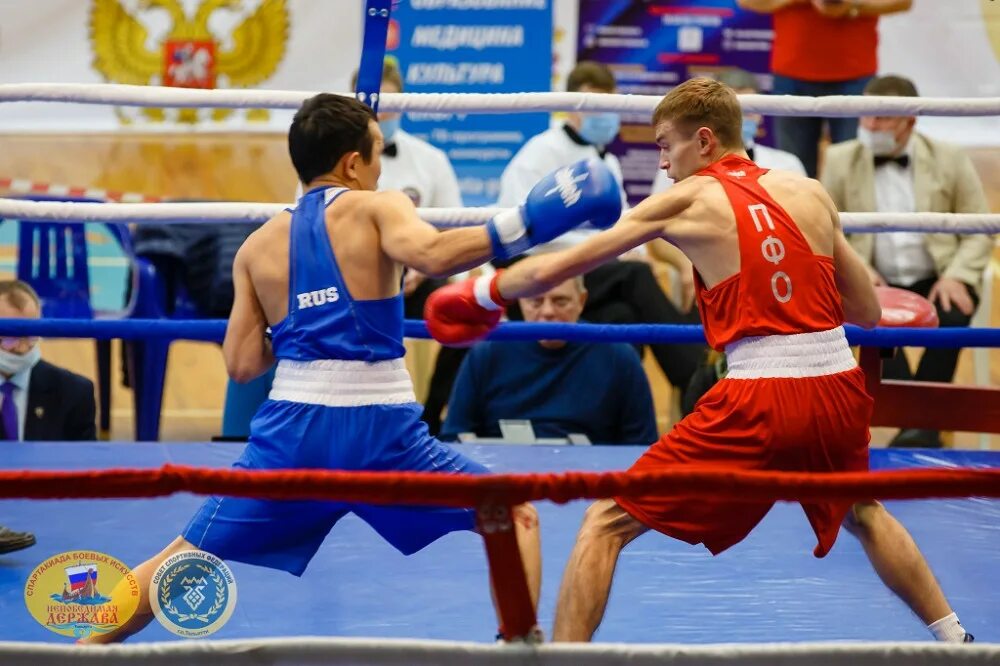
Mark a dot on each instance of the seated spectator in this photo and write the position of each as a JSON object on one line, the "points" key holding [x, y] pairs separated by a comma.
{"points": [[38, 401], [620, 291], [595, 389], [891, 168]]}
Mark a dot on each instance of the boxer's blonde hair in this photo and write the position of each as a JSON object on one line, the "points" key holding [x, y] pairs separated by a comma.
{"points": [[707, 103]]}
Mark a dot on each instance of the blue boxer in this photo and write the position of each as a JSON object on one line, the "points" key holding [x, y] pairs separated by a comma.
{"points": [[341, 399]]}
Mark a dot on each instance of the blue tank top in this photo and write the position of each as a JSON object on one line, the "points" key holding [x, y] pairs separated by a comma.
{"points": [[323, 321]]}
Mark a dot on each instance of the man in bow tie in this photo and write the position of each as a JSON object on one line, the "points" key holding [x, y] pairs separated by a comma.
{"points": [[891, 168]]}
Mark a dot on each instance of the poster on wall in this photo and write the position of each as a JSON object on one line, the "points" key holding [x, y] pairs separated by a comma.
{"points": [[474, 47], [653, 45]]}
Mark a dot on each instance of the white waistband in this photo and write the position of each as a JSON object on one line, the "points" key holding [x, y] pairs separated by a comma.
{"points": [[343, 383], [799, 355]]}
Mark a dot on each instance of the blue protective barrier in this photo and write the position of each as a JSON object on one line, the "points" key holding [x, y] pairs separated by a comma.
{"points": [[214, 330]]}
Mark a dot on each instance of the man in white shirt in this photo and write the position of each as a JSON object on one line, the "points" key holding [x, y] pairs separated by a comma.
{"points": [[622, 292], [890, 168], [580, 136]]}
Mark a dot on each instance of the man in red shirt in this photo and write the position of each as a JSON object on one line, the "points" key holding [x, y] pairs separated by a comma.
{"points": [[776, 280], [822, 47]]}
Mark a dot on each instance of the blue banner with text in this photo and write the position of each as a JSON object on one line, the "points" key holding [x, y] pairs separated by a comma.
{"points": [[467, 46]]}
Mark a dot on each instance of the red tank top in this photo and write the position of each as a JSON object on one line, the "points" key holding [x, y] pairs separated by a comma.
{"points": [[782, 287], [813, 47]]}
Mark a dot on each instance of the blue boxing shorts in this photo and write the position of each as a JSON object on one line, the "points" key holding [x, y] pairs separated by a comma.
{"points": [[292, 435]]}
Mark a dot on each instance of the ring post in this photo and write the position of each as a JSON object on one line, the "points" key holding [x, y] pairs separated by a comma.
{"points": [[377, 14], [495, 522]]}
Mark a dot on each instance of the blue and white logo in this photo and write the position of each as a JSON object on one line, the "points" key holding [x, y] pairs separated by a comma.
{"points": [[566, 185], [193, 594]]}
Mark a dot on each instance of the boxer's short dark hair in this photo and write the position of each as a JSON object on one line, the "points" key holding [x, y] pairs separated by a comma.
{"points": [[325, 128]]}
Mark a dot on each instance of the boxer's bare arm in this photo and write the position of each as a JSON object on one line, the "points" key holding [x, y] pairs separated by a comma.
{"points": [[642, 224], [245, 349], [861, 305], [412, 242]]}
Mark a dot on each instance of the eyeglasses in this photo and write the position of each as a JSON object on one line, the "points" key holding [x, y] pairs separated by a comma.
{"points": [[22, 344]]}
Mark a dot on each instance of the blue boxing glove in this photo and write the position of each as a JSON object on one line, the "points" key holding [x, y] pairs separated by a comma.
{"points": [[585, 191]]}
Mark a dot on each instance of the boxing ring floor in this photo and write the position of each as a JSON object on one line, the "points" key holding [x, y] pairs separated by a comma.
{"points": [[767, 589]]}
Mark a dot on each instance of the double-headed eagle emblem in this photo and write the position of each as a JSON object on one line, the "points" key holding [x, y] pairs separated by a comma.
{"points": [[190, 55]]}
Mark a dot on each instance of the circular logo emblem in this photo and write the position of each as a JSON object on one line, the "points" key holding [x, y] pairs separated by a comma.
{"points": [[193, 593], [81, 593]]}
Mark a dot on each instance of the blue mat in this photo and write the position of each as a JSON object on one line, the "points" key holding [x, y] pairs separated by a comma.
{"points": [[768, 588]]}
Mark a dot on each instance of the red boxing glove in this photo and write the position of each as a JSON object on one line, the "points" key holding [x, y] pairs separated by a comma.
{"points": [[462, 313], [902, 308]]}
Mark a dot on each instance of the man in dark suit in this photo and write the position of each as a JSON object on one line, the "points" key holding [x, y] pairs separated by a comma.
{"points": [[60, 406], [38, 401]]}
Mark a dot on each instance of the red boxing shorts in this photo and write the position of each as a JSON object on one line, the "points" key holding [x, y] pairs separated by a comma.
{"points": [[777, 410]]}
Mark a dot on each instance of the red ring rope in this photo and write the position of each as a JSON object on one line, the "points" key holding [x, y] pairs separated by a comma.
{"points": [[471, 490]]}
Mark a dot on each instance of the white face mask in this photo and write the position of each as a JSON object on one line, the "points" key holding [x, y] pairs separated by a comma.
{"points": [[11, 363], [881, 142]]}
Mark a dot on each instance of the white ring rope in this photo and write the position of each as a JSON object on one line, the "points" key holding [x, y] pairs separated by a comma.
{"points": [[416, 652], [182, 213], [775, 105]]}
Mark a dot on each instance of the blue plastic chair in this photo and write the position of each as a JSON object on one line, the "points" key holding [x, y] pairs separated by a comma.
{"points": [[160, 291], [53, 259], [152, 298]]}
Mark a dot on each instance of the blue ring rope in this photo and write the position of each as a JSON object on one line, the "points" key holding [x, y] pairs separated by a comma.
{"points": [[213, 330]]}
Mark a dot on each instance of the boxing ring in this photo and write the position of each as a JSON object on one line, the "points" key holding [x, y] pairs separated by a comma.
{"points": [[766, 601], [769, 589]]}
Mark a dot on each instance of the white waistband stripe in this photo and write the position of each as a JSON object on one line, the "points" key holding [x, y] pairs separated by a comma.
{"points": [[790, 356], [343, 383]]}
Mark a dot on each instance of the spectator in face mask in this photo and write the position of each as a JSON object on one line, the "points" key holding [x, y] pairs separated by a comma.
{"points": [[892, 168], [38, 401], [579, 136], [623, 291]]}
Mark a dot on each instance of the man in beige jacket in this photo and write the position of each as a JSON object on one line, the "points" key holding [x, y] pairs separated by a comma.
{"points": [[890, 168]]}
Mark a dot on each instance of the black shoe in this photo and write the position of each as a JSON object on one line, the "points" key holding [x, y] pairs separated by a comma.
{"points": [[969, 638], [917, 438], [14, 541]]}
